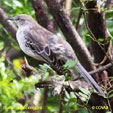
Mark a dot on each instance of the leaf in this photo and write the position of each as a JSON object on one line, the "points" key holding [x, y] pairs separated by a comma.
{"points": [[85, 91], [83, 110], [70, 63], [1, 45], [67, 94], [109, 13], [110, 37], [17, 3], [110, 96], [100, 40], [75, 8]]}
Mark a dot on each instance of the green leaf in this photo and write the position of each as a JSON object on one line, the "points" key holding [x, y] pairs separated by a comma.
{"points": [[110, 37], [17, 3], [70, 63], [83, 110], [110, 96], [85, 91], [67, 94], [75, 8], [100, 40], [1, 45], [109, 13]]}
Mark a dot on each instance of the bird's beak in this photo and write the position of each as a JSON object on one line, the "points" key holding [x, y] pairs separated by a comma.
{"points": [[11, 18]]}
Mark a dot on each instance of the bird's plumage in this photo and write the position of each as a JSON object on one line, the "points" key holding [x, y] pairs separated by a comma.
{"points": [[41, 44]]}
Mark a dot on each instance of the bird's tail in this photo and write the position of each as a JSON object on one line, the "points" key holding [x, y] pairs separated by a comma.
{"points": [[88, 78]]}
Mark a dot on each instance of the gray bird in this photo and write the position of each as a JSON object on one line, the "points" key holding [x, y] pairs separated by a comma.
{"points": [[41, 44]]}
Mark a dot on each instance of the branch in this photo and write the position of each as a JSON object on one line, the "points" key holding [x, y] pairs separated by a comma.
{"points": [[72, 36], [9, 26], [12, 67], [100, 69], [45, 98], [42, 15], [78, 19], [61, 101]]}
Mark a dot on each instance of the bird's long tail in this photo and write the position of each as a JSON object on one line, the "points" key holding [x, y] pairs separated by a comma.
{"points": [[88, 78]]}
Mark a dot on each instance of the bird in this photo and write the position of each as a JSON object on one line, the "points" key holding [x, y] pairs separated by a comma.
{"points": [[41, 44]]}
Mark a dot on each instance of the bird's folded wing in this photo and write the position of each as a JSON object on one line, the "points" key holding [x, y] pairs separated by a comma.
{"points": [[42, 50]]}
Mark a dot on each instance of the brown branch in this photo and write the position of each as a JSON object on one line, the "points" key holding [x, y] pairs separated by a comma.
{"points": [[72, 36], [9, 26], [42, 15], [100, 69], [61, 101], [12, 67], [78, 19], [45, 98]]}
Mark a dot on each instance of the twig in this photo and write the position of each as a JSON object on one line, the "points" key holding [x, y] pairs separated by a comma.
{"points": [[100, 69], [78, 19], [11, 66], [74, 3], [45, 98], [61, 101]]}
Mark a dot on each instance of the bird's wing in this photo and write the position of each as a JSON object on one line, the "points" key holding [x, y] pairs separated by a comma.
{"points": [[43, 50]]}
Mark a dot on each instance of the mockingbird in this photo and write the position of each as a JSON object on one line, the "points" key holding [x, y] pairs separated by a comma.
{"points": [[41, 44]]}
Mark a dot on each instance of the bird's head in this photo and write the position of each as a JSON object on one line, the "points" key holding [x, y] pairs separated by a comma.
{"points": [[23, 19]]}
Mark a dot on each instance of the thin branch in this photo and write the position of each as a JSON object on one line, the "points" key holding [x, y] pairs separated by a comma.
{"points": [[74, 3], [100, 69], [11, 66], [78, 19], [45, 98], [61, 101]]}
